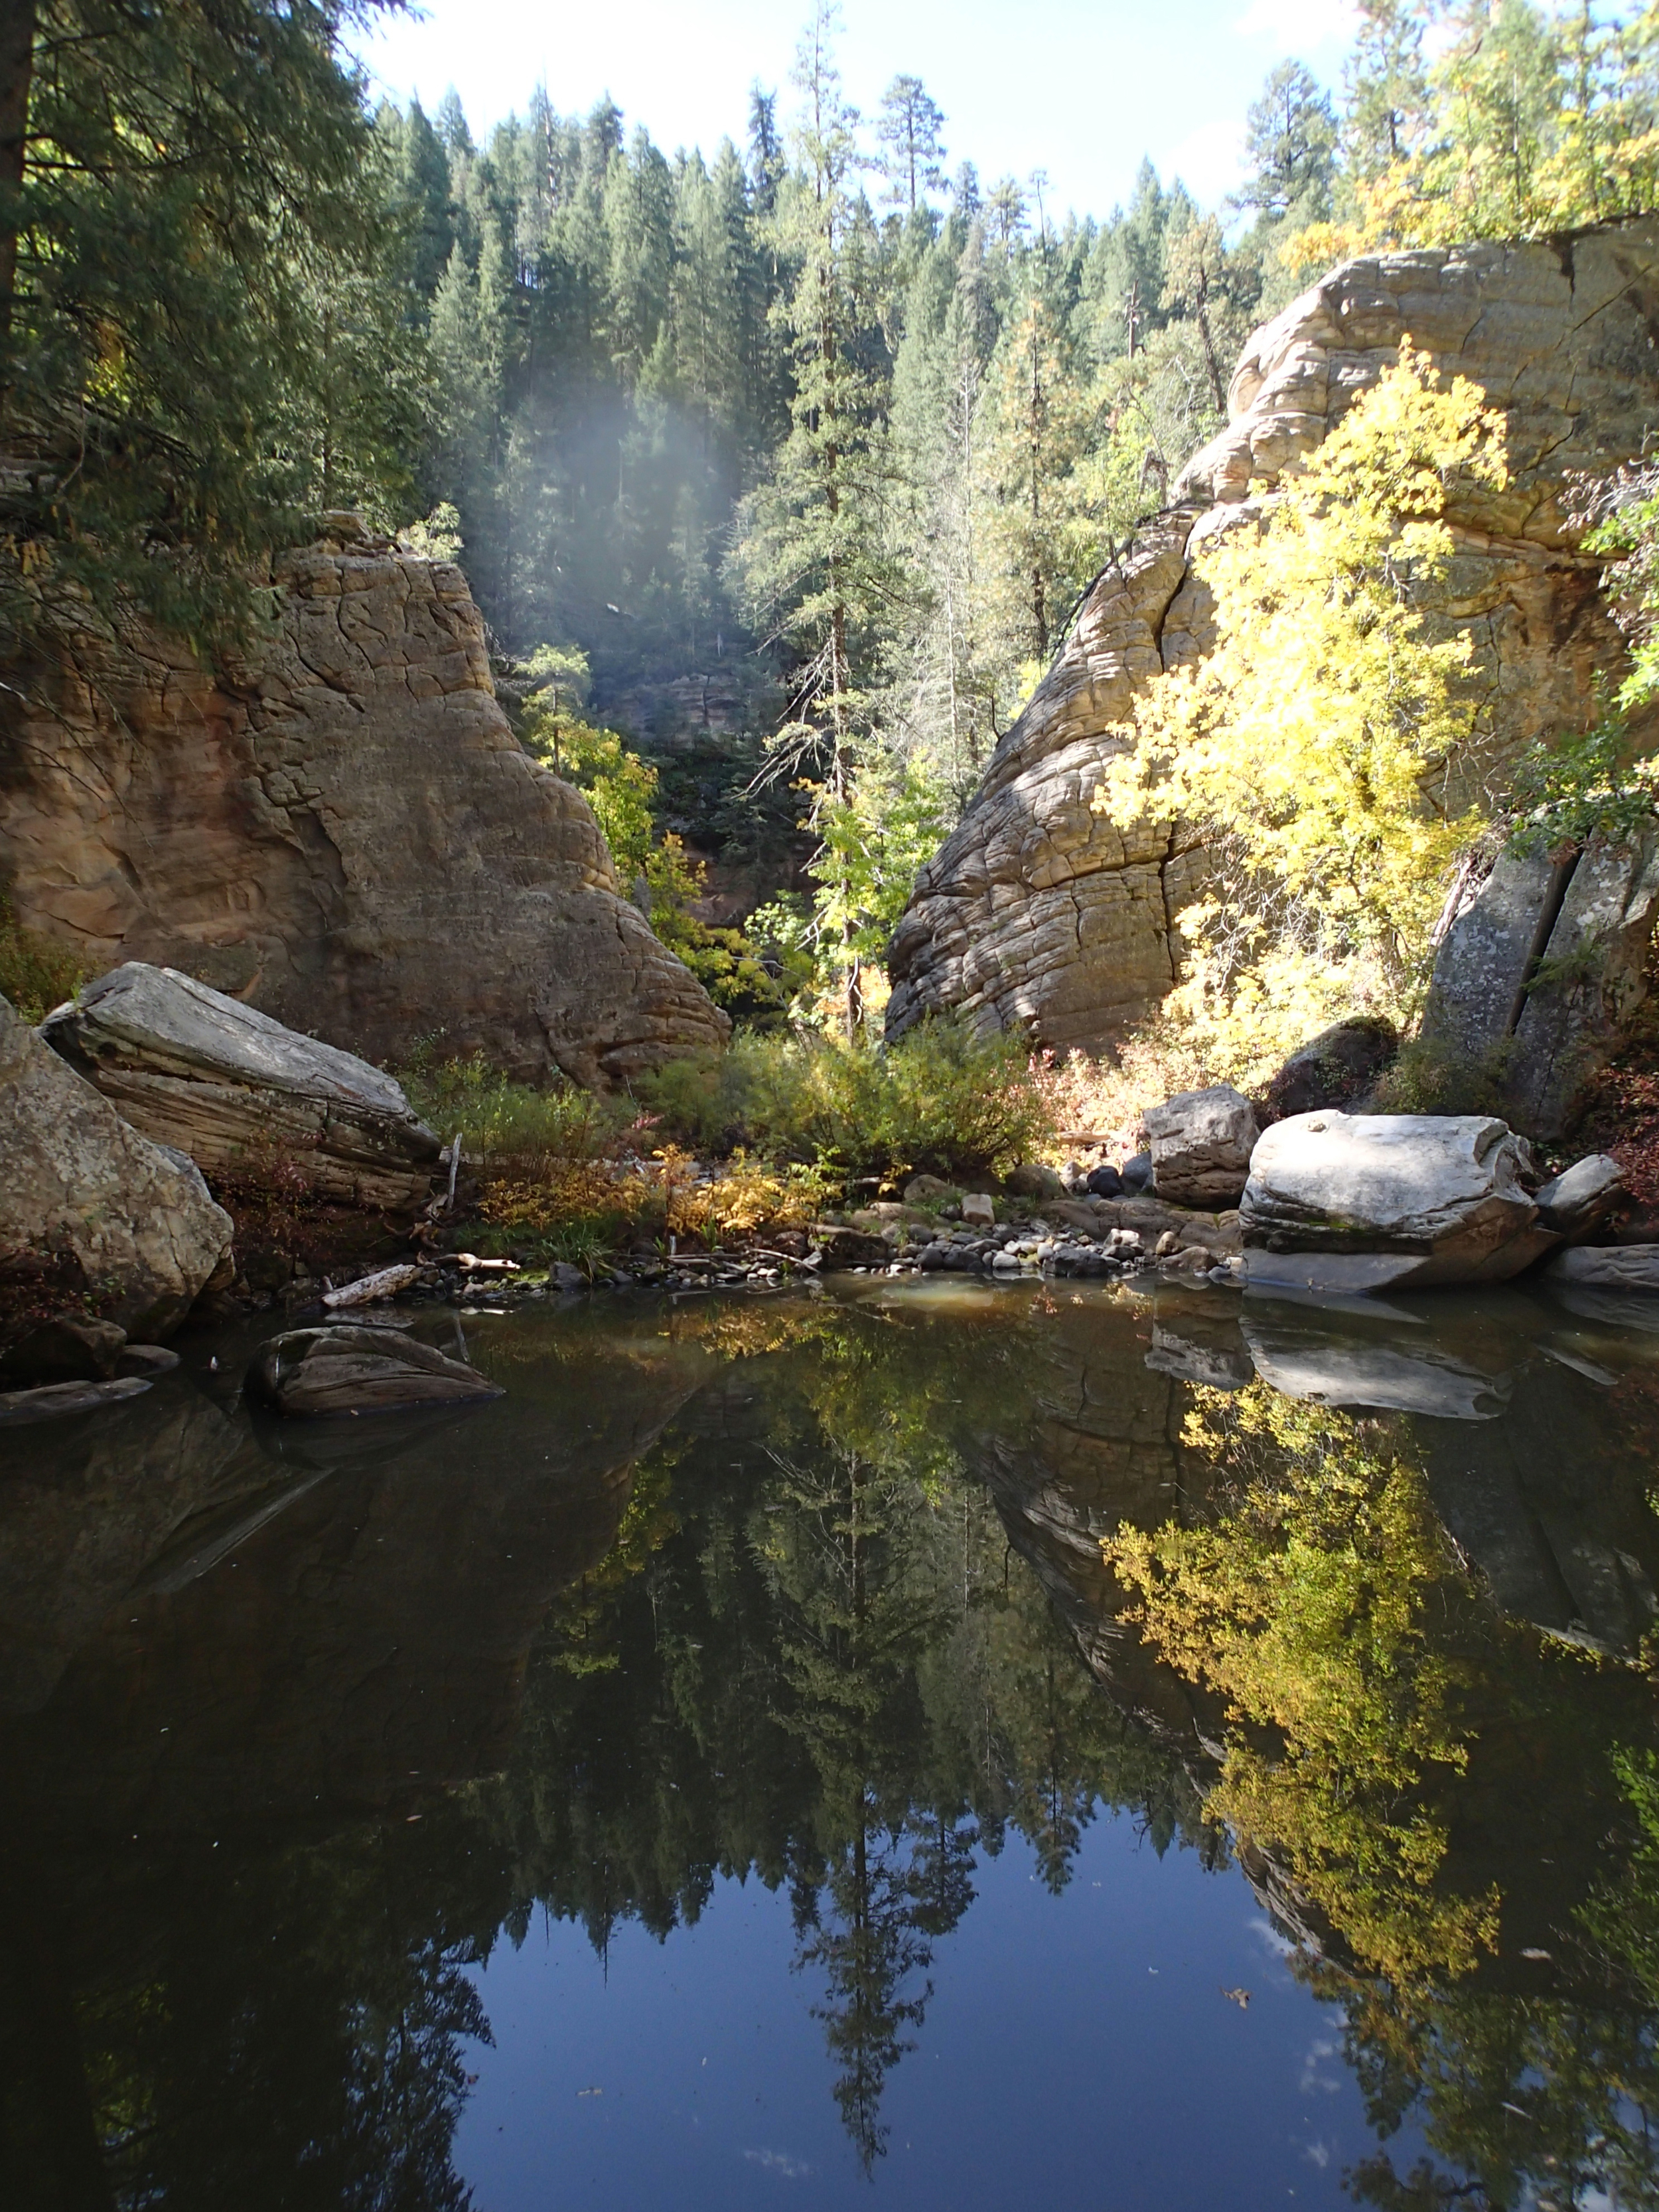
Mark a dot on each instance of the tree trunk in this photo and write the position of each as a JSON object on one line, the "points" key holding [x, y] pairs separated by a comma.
{"points": [[17, 19]]}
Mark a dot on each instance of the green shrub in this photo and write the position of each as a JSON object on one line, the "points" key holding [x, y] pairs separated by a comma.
{"points": [[939, 1102], [1430, 1078], [505, 1124], [35, 974]]}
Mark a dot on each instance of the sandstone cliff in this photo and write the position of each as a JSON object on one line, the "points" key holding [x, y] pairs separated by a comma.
{"points": [[1037, 912], [346, 834]]}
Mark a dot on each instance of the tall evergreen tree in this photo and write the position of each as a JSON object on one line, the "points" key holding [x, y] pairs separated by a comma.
{"points": [[192, 234], [914, 152]]}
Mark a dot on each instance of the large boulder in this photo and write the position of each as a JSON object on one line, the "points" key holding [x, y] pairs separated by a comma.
{"points": [[1584, 1198], [1037, 914], [1445, 1190], [1200, 1143], [93, 1217], [345, 832], [242, 1094], [1334, 1068], [1539, 973]]}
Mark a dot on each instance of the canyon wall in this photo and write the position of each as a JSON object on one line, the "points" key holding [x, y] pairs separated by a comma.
{"points": [[1037, 915], [345, 833]]}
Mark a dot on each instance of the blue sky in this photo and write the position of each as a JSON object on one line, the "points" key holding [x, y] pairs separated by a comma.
{"points": [[1078, 90]]}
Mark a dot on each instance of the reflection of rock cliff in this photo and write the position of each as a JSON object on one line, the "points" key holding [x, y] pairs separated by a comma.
{"points": [[1037, 911], [321, 1617], [348, 835]]}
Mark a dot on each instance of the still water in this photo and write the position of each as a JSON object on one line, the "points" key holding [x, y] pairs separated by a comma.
{"points": [[728, 1770]]}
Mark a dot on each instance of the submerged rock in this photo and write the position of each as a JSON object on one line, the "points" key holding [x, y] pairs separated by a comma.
{"points": [[1200, 1143], [360, 1370], [19, 1408], [242, 1094], [1315, 1363], [91, 1213], [1444, 1188]]}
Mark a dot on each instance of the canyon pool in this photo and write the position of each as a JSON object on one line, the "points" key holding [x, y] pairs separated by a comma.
{"points": [[928, 1743]]}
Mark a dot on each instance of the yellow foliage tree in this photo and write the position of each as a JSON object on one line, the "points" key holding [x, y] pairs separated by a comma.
{"points": [[1323, 745], [1530, 121]]}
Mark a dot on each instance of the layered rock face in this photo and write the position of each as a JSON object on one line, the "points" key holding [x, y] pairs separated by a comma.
{"points": [[192, 1068], [1037, 914], [347, 835]]}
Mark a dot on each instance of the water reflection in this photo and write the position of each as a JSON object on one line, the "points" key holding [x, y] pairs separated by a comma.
{"points": [[303, 1722]]}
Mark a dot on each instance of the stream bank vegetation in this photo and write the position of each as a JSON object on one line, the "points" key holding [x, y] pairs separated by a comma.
{"points": [[782, 1129]]}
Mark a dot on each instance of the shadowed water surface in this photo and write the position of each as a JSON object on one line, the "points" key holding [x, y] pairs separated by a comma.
{"points": [[931, 1742]]}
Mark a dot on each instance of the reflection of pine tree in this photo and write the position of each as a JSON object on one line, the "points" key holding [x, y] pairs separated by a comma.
{"points": [[873, 1945], [854, 1572]]}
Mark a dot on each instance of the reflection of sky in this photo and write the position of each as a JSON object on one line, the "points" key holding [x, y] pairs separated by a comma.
{"points": [[1077, 2052]]}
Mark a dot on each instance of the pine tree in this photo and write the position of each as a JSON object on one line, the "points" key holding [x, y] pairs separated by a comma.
{"points": [[192, 225], [908, 129], [810, 557]]}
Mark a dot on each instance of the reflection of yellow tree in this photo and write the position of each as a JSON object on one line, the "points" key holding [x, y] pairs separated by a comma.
{"points": [[1327, 1608]]}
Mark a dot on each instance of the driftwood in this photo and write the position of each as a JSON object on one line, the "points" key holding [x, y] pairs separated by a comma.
{"points": [[384, 1283]]}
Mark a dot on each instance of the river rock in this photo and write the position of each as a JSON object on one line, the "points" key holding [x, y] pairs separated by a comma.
{"points": [[1541, 971], [929, 1190], [1031, 1179], [1200, 1143], [842, 1248], [1581, 1199], [1037, 915], [342, 830], [1217, 1359], [1444, 1187], [358, 1369], [92, 1216], [239, 1093], [65, 1350], [1608, 1267]]}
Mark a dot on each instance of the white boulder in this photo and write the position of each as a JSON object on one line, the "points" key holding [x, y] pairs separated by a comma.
{"points": [[1445, 1190], [94, 1217]]}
